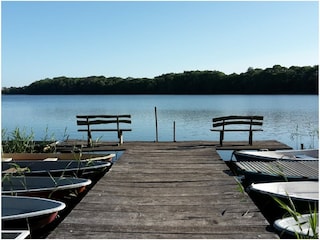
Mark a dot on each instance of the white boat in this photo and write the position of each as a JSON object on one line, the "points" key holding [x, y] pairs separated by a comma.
{"points": [[303, 195], [28, 212], [301, 190], [302, 227], [58, 188], [265, 155], [15, 234]]}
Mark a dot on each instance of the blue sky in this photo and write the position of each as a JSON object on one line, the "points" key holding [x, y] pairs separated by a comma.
{"points": [[146, 39]]}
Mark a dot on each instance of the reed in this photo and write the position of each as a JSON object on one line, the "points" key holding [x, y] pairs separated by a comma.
{"points": [[292, 212], [21, 141], [297, 136]]}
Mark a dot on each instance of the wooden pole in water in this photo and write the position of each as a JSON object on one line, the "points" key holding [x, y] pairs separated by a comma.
{"points": [[174, 131], [156, 117]]}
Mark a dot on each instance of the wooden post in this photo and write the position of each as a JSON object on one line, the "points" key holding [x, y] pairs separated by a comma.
{"points": [[174, 131], [156, 117]]}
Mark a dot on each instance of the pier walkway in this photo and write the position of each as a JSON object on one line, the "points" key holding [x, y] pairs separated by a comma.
{"points": [[166, 190]]}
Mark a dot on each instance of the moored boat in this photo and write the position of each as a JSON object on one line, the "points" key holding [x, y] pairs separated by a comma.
{"points": [[277, 171], [301, 196], [265, 155], [58, 188], [28, 212], [57, 156], [305, 226], [300, 191], [15, 234], [82, 169]]}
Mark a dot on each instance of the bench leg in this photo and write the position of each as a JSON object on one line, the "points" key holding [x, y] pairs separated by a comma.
{"points": [[120, 136], [221, 137], [250, 138], [89, 139]]}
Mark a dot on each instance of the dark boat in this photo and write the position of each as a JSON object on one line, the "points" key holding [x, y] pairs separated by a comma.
{"points": [[57, 156], [15, 234], [81, 169], [58, 188], [251, 155], [28, 212]]}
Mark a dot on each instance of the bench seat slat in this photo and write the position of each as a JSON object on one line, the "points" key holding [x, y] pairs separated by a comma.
{"points": [[104, 116], [237, 123], [103, 130], [94, 122], [237, 117], [236, 130]]}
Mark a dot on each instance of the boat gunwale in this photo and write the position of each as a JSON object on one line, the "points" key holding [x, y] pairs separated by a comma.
{"points": [[59, 206]]}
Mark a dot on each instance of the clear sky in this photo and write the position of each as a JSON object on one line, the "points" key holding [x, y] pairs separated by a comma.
{"points": [[146, 39]]}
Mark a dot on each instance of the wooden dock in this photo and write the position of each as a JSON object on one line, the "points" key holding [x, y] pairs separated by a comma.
{"points": [[166, 190]]}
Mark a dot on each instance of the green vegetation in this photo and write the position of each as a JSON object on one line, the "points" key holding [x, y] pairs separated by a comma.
{"points": [[19, 141], [275, 80], [292, 212]]}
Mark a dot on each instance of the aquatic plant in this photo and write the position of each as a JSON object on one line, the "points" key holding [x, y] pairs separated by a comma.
{"points": [[19, 141], [291, 211], [297, 136]]}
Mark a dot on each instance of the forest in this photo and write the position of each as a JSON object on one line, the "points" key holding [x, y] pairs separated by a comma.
{"points": [[275, 80]]}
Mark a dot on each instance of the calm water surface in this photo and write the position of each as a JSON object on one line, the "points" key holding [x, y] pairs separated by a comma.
{"points": [[284, 116]]}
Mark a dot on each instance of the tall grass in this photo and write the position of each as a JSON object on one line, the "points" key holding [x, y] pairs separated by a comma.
{"points": [[313, 232], [21, 141]]}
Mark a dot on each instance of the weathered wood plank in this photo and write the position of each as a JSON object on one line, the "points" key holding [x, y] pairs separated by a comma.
{"points": [[169, 190]]}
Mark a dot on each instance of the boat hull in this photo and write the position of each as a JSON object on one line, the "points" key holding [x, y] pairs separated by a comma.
{"points": [[63, 189], [277, 171], [28, 212], [15, 234], [63, 168], [290, 227], [57, 156], [303, 195], [246, 155]]}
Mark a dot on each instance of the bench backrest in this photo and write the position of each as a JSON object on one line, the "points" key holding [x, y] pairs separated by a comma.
{"points": [[237, 120], [87, 120]]}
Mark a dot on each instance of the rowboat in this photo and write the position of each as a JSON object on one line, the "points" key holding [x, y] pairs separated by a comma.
{"points": [[15, 234], [81, 169], [278, 170], [304, 191], [301, 228], [7, 157], [306, 154], [58, 188], [302, 196], [28, 212]]}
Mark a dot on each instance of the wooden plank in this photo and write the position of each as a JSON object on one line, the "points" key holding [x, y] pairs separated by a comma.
{"points": [[236, 123], [105, 130], [104, 116], [236, 117], [101, 121], [165, 190]]}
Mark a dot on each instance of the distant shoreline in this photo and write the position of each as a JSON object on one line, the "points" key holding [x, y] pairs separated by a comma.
{"points": [[271, 81]]}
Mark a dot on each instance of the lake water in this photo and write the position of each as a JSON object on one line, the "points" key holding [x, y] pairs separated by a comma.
{"points": [[290, 119]]}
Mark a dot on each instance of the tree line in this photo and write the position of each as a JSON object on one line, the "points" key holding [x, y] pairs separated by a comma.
{"points": [[275, 80]]}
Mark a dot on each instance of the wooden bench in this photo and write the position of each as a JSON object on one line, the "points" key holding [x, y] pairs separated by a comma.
{"points": [[220, 125], [92, 120]]}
